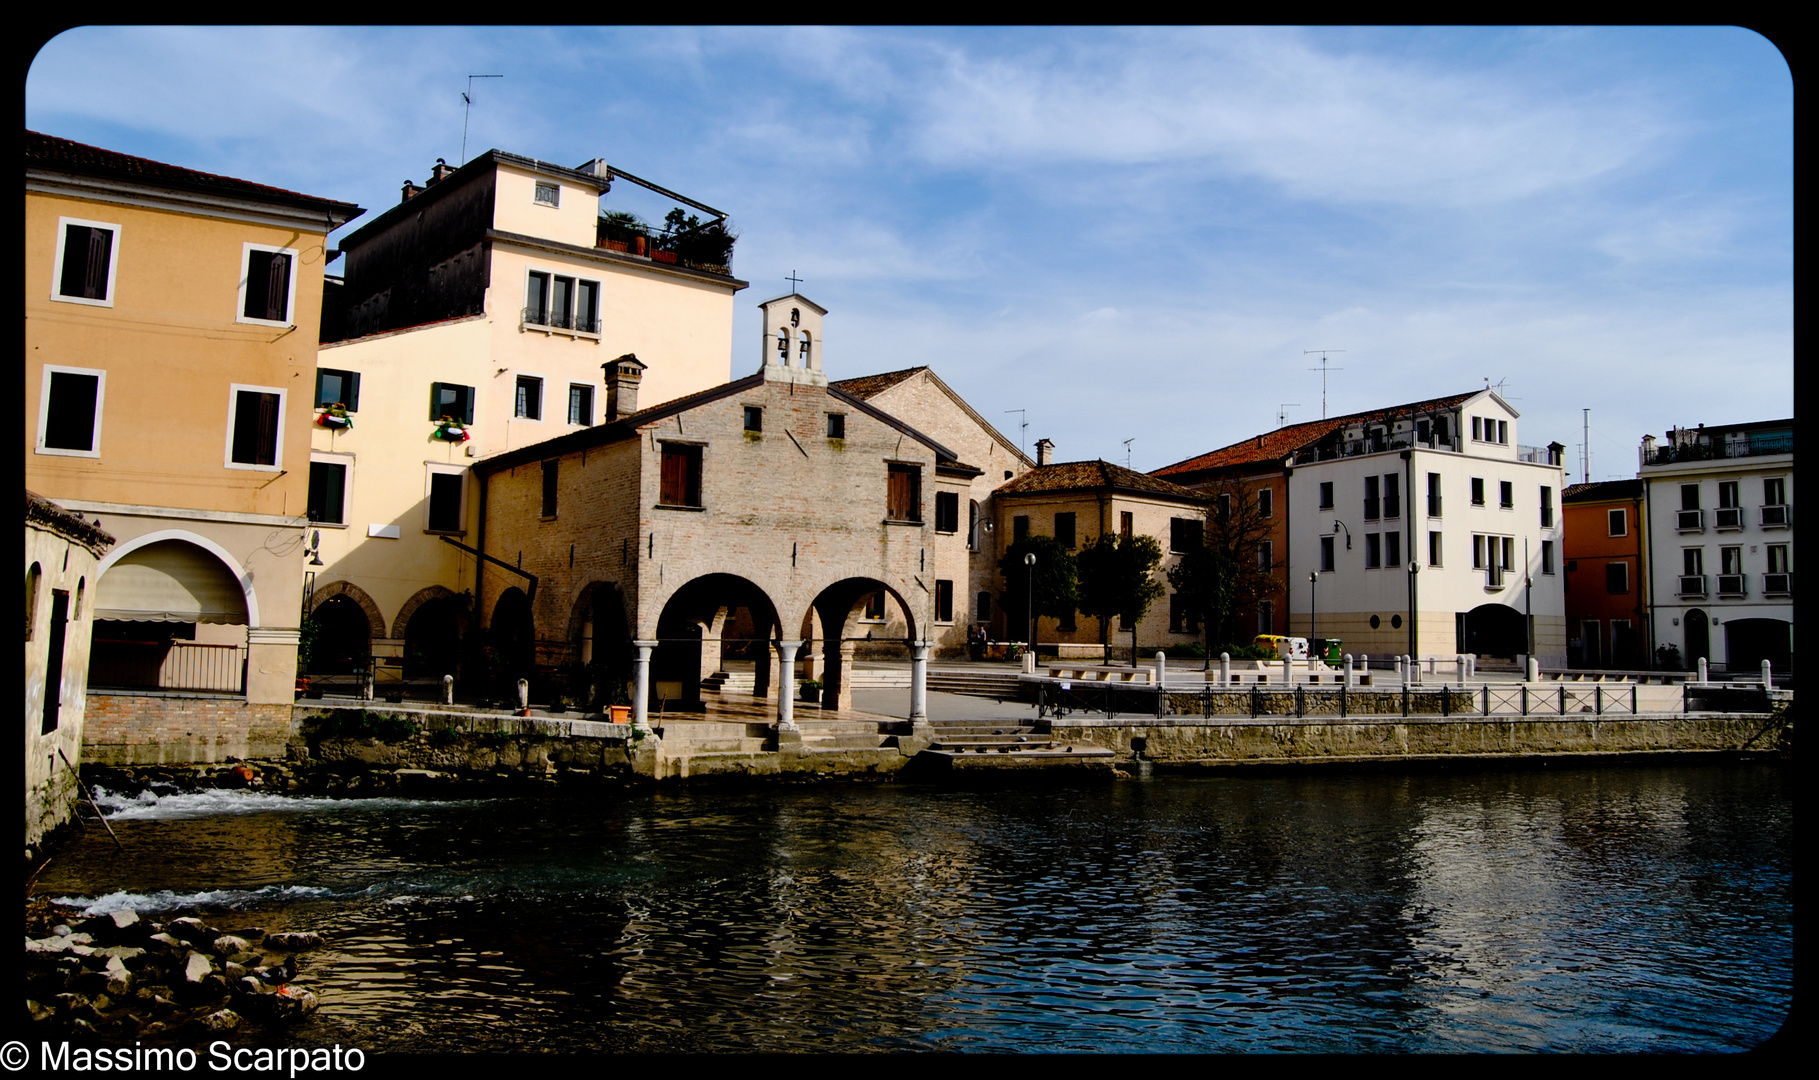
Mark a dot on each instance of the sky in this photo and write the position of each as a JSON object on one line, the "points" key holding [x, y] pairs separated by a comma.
{"points": [[1129, 238]]}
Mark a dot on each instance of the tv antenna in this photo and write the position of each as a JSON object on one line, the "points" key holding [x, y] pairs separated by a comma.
{"points": [[1498, 387], [467, 104], [1322, 369], [1024, 435], [1127, 451], [1282, 412]]}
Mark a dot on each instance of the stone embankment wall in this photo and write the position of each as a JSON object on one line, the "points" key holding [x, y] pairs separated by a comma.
{"points": [[135, 729]]}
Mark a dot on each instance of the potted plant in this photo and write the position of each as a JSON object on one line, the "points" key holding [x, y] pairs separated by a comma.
{"points": [[448, 429], [336, 418], [811, 690]]}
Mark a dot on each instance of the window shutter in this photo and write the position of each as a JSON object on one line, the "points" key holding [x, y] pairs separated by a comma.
{"points": [[277, 293], [352, 390], [268, 430], [435, 401], [95, 285]]}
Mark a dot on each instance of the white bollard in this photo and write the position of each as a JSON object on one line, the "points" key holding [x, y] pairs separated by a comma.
{"points": [[1702, 671], [1768, 676], [1401, 676], [1459, 662], [524, 695], [1225, 669], [1348, 670], [1162, 671], [1534, 669], [448, 689]]}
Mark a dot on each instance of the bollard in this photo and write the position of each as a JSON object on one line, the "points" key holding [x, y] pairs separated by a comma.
{"points": [[1768, 676], [1702, 671], [1225, 669], [448, 689], [366, 684], [1534, 668], [1288, 672], [1471, 665], [1401, 676], [1459, 663], [1161, 671], [1348, 671], [524, 697]]}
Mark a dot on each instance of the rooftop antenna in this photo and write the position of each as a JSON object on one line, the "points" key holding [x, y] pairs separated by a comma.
{"points": [[1026, 429], [1585, 467], [1322, 370], [467, 103], [1282, 413], [1127, 451]]}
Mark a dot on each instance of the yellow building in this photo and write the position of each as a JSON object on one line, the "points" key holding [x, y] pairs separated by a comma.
{"points": [[484, 313], [171, 321]]}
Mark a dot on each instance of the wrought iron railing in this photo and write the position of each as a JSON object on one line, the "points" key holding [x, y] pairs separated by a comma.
{"points": [[177, 665]]}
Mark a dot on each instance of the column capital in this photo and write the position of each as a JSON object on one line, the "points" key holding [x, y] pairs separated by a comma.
{"points": [[651, 644]]}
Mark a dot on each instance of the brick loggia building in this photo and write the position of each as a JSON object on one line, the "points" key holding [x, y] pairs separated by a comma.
{"points": [[759, 515]]}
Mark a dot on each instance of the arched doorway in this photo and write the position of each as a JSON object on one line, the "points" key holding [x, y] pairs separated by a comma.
{"points": [[170, 614], [511, 643], [839, 609], [742, 621], [339, 637], [1748, 642], [1698, 637], [1493, 630], [600, 643]]}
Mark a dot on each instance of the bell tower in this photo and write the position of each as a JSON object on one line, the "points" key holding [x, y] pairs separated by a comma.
{"points": [[792, 344]]}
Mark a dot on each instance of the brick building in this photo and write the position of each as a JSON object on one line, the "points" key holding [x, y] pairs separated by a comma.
{"points": [[1604, 544]]}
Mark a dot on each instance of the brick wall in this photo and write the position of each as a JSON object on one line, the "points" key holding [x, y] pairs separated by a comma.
{"points": [[125, 729]]}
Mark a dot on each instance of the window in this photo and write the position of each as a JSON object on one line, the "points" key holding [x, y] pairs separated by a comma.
{"points": [[1266, 555], [1266, 616], [548, 194], [1392, 496], [1727, 495], [1477, 491], [1503, 432], [1181, 617], [1392, 549], [451, 400], [1547, 507], [1730, 560], [69, 411], [680, 482], [267, 288], [1774, 491], [1547, 556], [874, 607], [947, 511], [836, 425], [87, 252], [1689, 496], [754, 418], [1373, 551], [1433, 494], [1326, 553], [328, 492], [580, 405], [1509, 553], [802, 354], [1478, 552], [1064, 530], [972, 526], [561, 302], [335, 387], [549, 487], [1126, 523], [446, 489], [1777, 558], [1692, 561], [255, 428], [1478, 428], [1434, 548], [1020, 528], [904, 494], [944, 601], [536, 298], [1619, 523], [982, 607], [1373, 505], [1266, 502], [53, 668], [34, 579], [1225, 507], [1326, 495], [1184, 534], [528, 404], [1506, 495]]}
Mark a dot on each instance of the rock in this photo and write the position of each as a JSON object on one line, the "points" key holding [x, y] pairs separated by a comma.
{"points": [[189, 930], [165, 940], [294, 942], [197, 968], [37, 1013], [62, 930], [112, 923], [233, 972], [126, 954], [221, 1020], [228, 945], [291, 1003], [245, 959]]}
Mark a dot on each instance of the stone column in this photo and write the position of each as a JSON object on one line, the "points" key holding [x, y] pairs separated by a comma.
{"points": [[641, 687], [763, 685], [786, 685], [837, 677], [919, 682]]}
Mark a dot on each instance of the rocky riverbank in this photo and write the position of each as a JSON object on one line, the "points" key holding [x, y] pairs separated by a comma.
{"points": [[126, 977]]}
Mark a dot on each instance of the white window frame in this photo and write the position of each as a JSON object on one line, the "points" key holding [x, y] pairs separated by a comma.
{"points": [[113, 262], [1618, 513], [329, 457], [567, 406], [438, 468], [44, 403], [542, 398], [290, 282], [233, 406]]}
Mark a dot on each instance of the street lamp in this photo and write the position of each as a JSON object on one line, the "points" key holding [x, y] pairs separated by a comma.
{"points": [[1414, 568], [1312, 577], [1029, 600]]}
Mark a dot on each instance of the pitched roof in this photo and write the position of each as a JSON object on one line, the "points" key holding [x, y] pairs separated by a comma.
{"points": [[52, 153], [1602, 489], [866, 387], [1275, 445], [1094, 476]]}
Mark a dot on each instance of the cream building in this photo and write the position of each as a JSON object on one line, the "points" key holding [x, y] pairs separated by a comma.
{"points": [[495, 297], [170, 335]]}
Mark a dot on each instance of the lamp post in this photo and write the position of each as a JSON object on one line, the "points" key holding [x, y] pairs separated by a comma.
{"points": [[1029, 600], [1414, 569], [1312, 577]]}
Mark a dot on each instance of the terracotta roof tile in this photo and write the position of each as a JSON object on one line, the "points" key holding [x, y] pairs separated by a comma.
{"points": [[51, 152], [868, 386], [1092, 476], [1280, 443], [1602, 489]]}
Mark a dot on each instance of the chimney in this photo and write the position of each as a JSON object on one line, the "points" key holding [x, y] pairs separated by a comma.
{"points": [[410, 190], [441, 170], [1045, 451], [622, 378]]}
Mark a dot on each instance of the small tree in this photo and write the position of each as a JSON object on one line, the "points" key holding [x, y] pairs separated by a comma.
{"points": [[1117, 580], [1055, 582], [1223, 575]]}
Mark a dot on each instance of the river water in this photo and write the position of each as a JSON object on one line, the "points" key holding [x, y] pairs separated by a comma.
{"points": [[1619, 908]]}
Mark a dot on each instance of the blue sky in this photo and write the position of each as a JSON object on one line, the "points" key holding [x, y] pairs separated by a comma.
{"points": [[1127, 233]]}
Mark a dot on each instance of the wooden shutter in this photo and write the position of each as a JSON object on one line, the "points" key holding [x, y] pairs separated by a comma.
{"points": [[278, 289]]}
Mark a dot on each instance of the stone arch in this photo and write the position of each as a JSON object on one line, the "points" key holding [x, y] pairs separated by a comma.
{"points": [[1698, 636], [838, 608], [231, 565], [696, 608], [417, 600], [1494, 630], [375, 619]]}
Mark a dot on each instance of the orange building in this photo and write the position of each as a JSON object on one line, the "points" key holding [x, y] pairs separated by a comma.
{"points": [[1606, 587]]}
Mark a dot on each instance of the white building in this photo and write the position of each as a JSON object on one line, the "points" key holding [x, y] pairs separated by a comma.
{"points": [[1720, 512], [1427, 529]]}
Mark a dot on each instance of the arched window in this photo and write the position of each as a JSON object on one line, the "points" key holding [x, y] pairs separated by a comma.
{"points": [[804, 352], [783, 346]]}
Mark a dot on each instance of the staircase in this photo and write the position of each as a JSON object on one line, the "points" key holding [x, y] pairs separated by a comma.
{"points": [[961, 744], [998, 685]]}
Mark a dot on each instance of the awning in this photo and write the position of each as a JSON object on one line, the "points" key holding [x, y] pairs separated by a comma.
{"points": [[170, 581]]}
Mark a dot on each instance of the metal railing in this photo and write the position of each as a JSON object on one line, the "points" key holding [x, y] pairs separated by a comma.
{"points": [[1712, 450], [560, 320], [177, 665]]}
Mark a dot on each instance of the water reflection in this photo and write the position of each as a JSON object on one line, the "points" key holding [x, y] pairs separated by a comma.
{"points": [[1623, 908]]}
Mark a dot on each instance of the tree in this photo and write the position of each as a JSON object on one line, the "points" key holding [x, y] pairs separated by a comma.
{"points": [[1117, 580], [1224, 575], [1055, 586]]}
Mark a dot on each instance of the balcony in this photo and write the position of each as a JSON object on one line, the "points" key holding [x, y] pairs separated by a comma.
{"points": [[1494, 578], [1692, 585], [1691, 521], [1727, 518], [1707, 447], [1730, 586], [1777, 584], [1776, 517]]}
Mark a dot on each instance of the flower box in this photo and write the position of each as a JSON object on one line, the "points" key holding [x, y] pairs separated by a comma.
{"points": [[663, 256], [450, 431], [616, 245]]}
